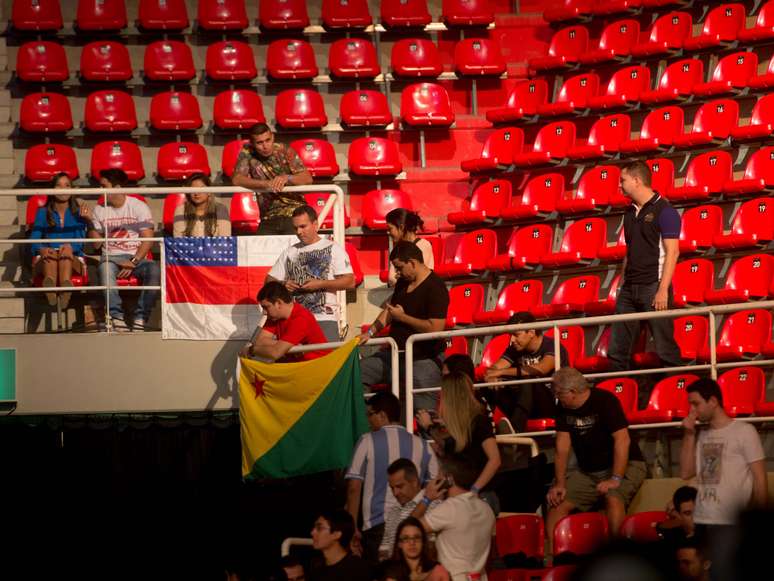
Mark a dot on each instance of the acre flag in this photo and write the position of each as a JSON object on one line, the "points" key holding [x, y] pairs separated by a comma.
{"points": [[300, 418]]}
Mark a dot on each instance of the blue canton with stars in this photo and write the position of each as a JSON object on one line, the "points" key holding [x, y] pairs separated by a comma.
{"points": [[216, 251]]}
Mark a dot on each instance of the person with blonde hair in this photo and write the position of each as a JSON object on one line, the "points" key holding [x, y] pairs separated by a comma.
{"points": [[201, 215]]}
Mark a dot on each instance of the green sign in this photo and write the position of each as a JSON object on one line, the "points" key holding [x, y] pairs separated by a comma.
{"points": [[7, 374]]}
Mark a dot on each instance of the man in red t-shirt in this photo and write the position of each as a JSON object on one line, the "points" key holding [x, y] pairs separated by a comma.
{"points": [[288, 324]]}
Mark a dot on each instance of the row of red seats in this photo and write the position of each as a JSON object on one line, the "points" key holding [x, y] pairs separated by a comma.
{"points": [[569, 10], [221, 15]]}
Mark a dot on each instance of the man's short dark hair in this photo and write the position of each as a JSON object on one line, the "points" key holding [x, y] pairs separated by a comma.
{"points": [[683, 494], [385, 401], [639, 169], [289, 561], [408, 467], [340, 521], [274, 291], [461, 470], [116, 177], [405, 251], [706, 388], [260, 129], [461, 363], [523, 317], [305, 209]]}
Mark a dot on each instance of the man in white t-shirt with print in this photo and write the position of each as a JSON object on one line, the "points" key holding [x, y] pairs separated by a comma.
{"points": [[313, 270], [126, 218]]}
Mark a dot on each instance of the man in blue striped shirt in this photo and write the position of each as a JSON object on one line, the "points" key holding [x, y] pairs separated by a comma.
{"points": [[367, 474]]}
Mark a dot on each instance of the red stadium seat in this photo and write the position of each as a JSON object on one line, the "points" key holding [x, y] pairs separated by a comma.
{"points": [[691, 334], [667, 35], [222, 15], [763, 30], [353, 58], [599, 362], [357, 270], [415, 57], [538, 197], [110, 111], [35, 203], [712, 124], [162, 15], [520, 533], [467, 13], [580, 244], [44, 160], [625, 389], [658, 131], [668, 400], [568, 10], [378, 203], [525, 98], [464, 301], [345, 14], [525, 247], [123, 155], [608, 7], [476, 57], [676, 83], [764, 81], [498, 151], [36, 15], [300, 109], [374, 156], [761, 124], [751, 226], [105, 60], [721, 27], [45, 113], [604, 306], [614, 252], [624, 89], [283, 14], [493, 350], [691, 281], [100, 15], [484, 205], [230, 60], [171, 203], [179, 161], [230, 154], [742, 389], [551, 145], [744, 335], [662, 172], [570, 296], [566, 48], [707, 175], [641, 527], [748, 279], [595, 188], [615, 43], [245, 214], [731, 75], [317, 200], [291, 59], [758, 176], [605, 137], [169, 60], [426, 105], [318, 156], [470, 255], [238, 109], [175, 111], [573, 97], [762, 407], [519, 296], [405, 13], [42, 61], [580, 534], [455, 345], [365, 108]]}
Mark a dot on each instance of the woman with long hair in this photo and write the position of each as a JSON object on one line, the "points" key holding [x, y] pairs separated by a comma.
{"points": [[201, 215], [404, 224], [412, 554]]}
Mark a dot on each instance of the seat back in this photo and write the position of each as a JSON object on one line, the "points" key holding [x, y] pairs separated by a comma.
{"points": [[291, 59], [222, 15], [671, 29], [610, 131], [520, 296], [475, 248], [345, 14], [743, 387], [374, 156], [718, 117], [426, 104], [100, 15], [713, 169], [580, 533], [283, 14], [179, 161], [175, 111], [755, 217], [641, 527], [455, 346], [669, 394], [691, 335], [520, 533], [365, 108], [620, 36], [662, 172], [464, 301], [44, 160], [692, 278], [491, 197], [682, 76], [600, 183], [478, 57], [110, 111], [105, 60], [34, 203], [577, 290], [663, 124], [318, 156], [752, 273], [746, 331], [230, 154], [415, 57], [167, 15], [168, 60], [317, 200], [353, 58], [625, 389], [573, 339], [578, 89], [45, 113], [556, 138], [36, 15], [237, 109], [530, 242], [629, 82], [571, 42], [527, 95], [765, 18], [42, 61], [736, 68], [230, 60], [467, 12], [404, 13], [724, 21], [378, 203], [586, 237], [760, 164], [494, 349], [171, 203], [542, 191], [245, 214], [123, 155], [503, 144], [701, 224], [300, 108]]}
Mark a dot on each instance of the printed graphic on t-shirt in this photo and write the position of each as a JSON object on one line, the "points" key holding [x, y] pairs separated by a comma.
{"points": [[308, 265], [711, 462], [581, 425]]}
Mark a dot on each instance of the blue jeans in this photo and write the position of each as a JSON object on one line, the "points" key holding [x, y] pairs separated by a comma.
{"points": [[149, 274]]}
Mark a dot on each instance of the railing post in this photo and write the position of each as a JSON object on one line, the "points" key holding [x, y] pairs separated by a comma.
{"points": [[409, 363], [713, 346]]}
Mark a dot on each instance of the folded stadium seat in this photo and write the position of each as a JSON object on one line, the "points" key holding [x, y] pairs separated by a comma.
{"points": [[357, 270], [467, 13], [721, 27], [763, 30], [764, 81], [110, 111], [378, 203], [42, 61], [691, 334], [707, 175], [484, 205], [291, 59], [317, 200], [415, 57], [464, 301], [171, 203], [748, 279], [105, 60], [658, 131], [179, 161], [641, 527], [516, 297], [744, 335], [498, 151], [426, 105], [162, 15], [676, 83], [605, 137], [761, 124], [523, 100], [573, 97], [237, 109], [605, 306], [477, 57], [668, 401], [662, 173], [123, 155], [752, 226], [245, 215], [712, 124], [365, 108], [230, 60], [613, 252], [691, 281], [551, 145], [568, 10], [538, 198], [168, 60], [175, 111], [374, 156], [455, 346], [758, 175], [598, 362], [300, 109], [44, 160], [742, 389], [404, 13], [594, 190], [45, 113], [570, 297], [36, 15], [230, 154], [525, 247], [731, 75], [580, 534], [493, 350], [566, 48], [353, 58], [519, 534], [222, 15], [470, 256], [100, 15], [318, 156], [625, 389], [282, 14], [615, 43], [580, 244], [34, 203], [624, 88], [338, 14], [667, 35]]}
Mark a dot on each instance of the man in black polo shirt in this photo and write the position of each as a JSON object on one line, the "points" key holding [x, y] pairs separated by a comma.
{"points": [[652, 230]]}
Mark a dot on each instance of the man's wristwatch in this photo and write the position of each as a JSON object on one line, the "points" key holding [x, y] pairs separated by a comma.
{"points": [[134, 260], [616, 478]]}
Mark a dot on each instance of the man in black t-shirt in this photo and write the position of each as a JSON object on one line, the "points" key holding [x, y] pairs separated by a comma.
{"points": [[331, 534], [418, 305], [610, 465]]}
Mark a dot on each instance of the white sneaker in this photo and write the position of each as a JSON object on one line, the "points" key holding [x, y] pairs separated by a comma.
{"points": [[119, 325], [138, 325]]}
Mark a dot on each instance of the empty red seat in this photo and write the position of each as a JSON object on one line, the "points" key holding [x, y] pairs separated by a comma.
{"points": [[566, 48], [751, 226], [758, 175], [374, 156], [641, 527], [44, 160], [707, 174], [570, 296], [365, 108], [345, 14], [498, 151], [667, 35], [475, 57], [179, 161], [45, 113], [605, 137], [580, 534], [353, 58], [415, 57], [105, 60], [525, 247], [763, 29], [615, 43], [238, 109], [691, 281], [676, 83], [525, 98], [245, 215], [169, 60], [516, 297], [318, 156], [485, 204], [291, 59], [405, 13], [470, 256], [100, 15], [712, 124], [731, 75], [317, 200], [36, 15], [625, 389], [230, 154], [464, 301], [616, 251], [175, 111], [624, 88], [110, 111], [538, 197], [467, 12], [573, 97], [604, 306], [300, 108], [761, 122], [162, 15], [580, 243], [662, 174], [568, 10], [426, 105], [520, 533], [748, 279], [659, 130], [691, 335], [222, 15], [230, 60], [493, 351], [742, 388], [378, 203], [699, 227], [744, 335], [668, 400], [171, 203], [42, 61], [123, 155], [721, 27], [594, 191], [283, 14], [551, 145], [608, 7]]}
